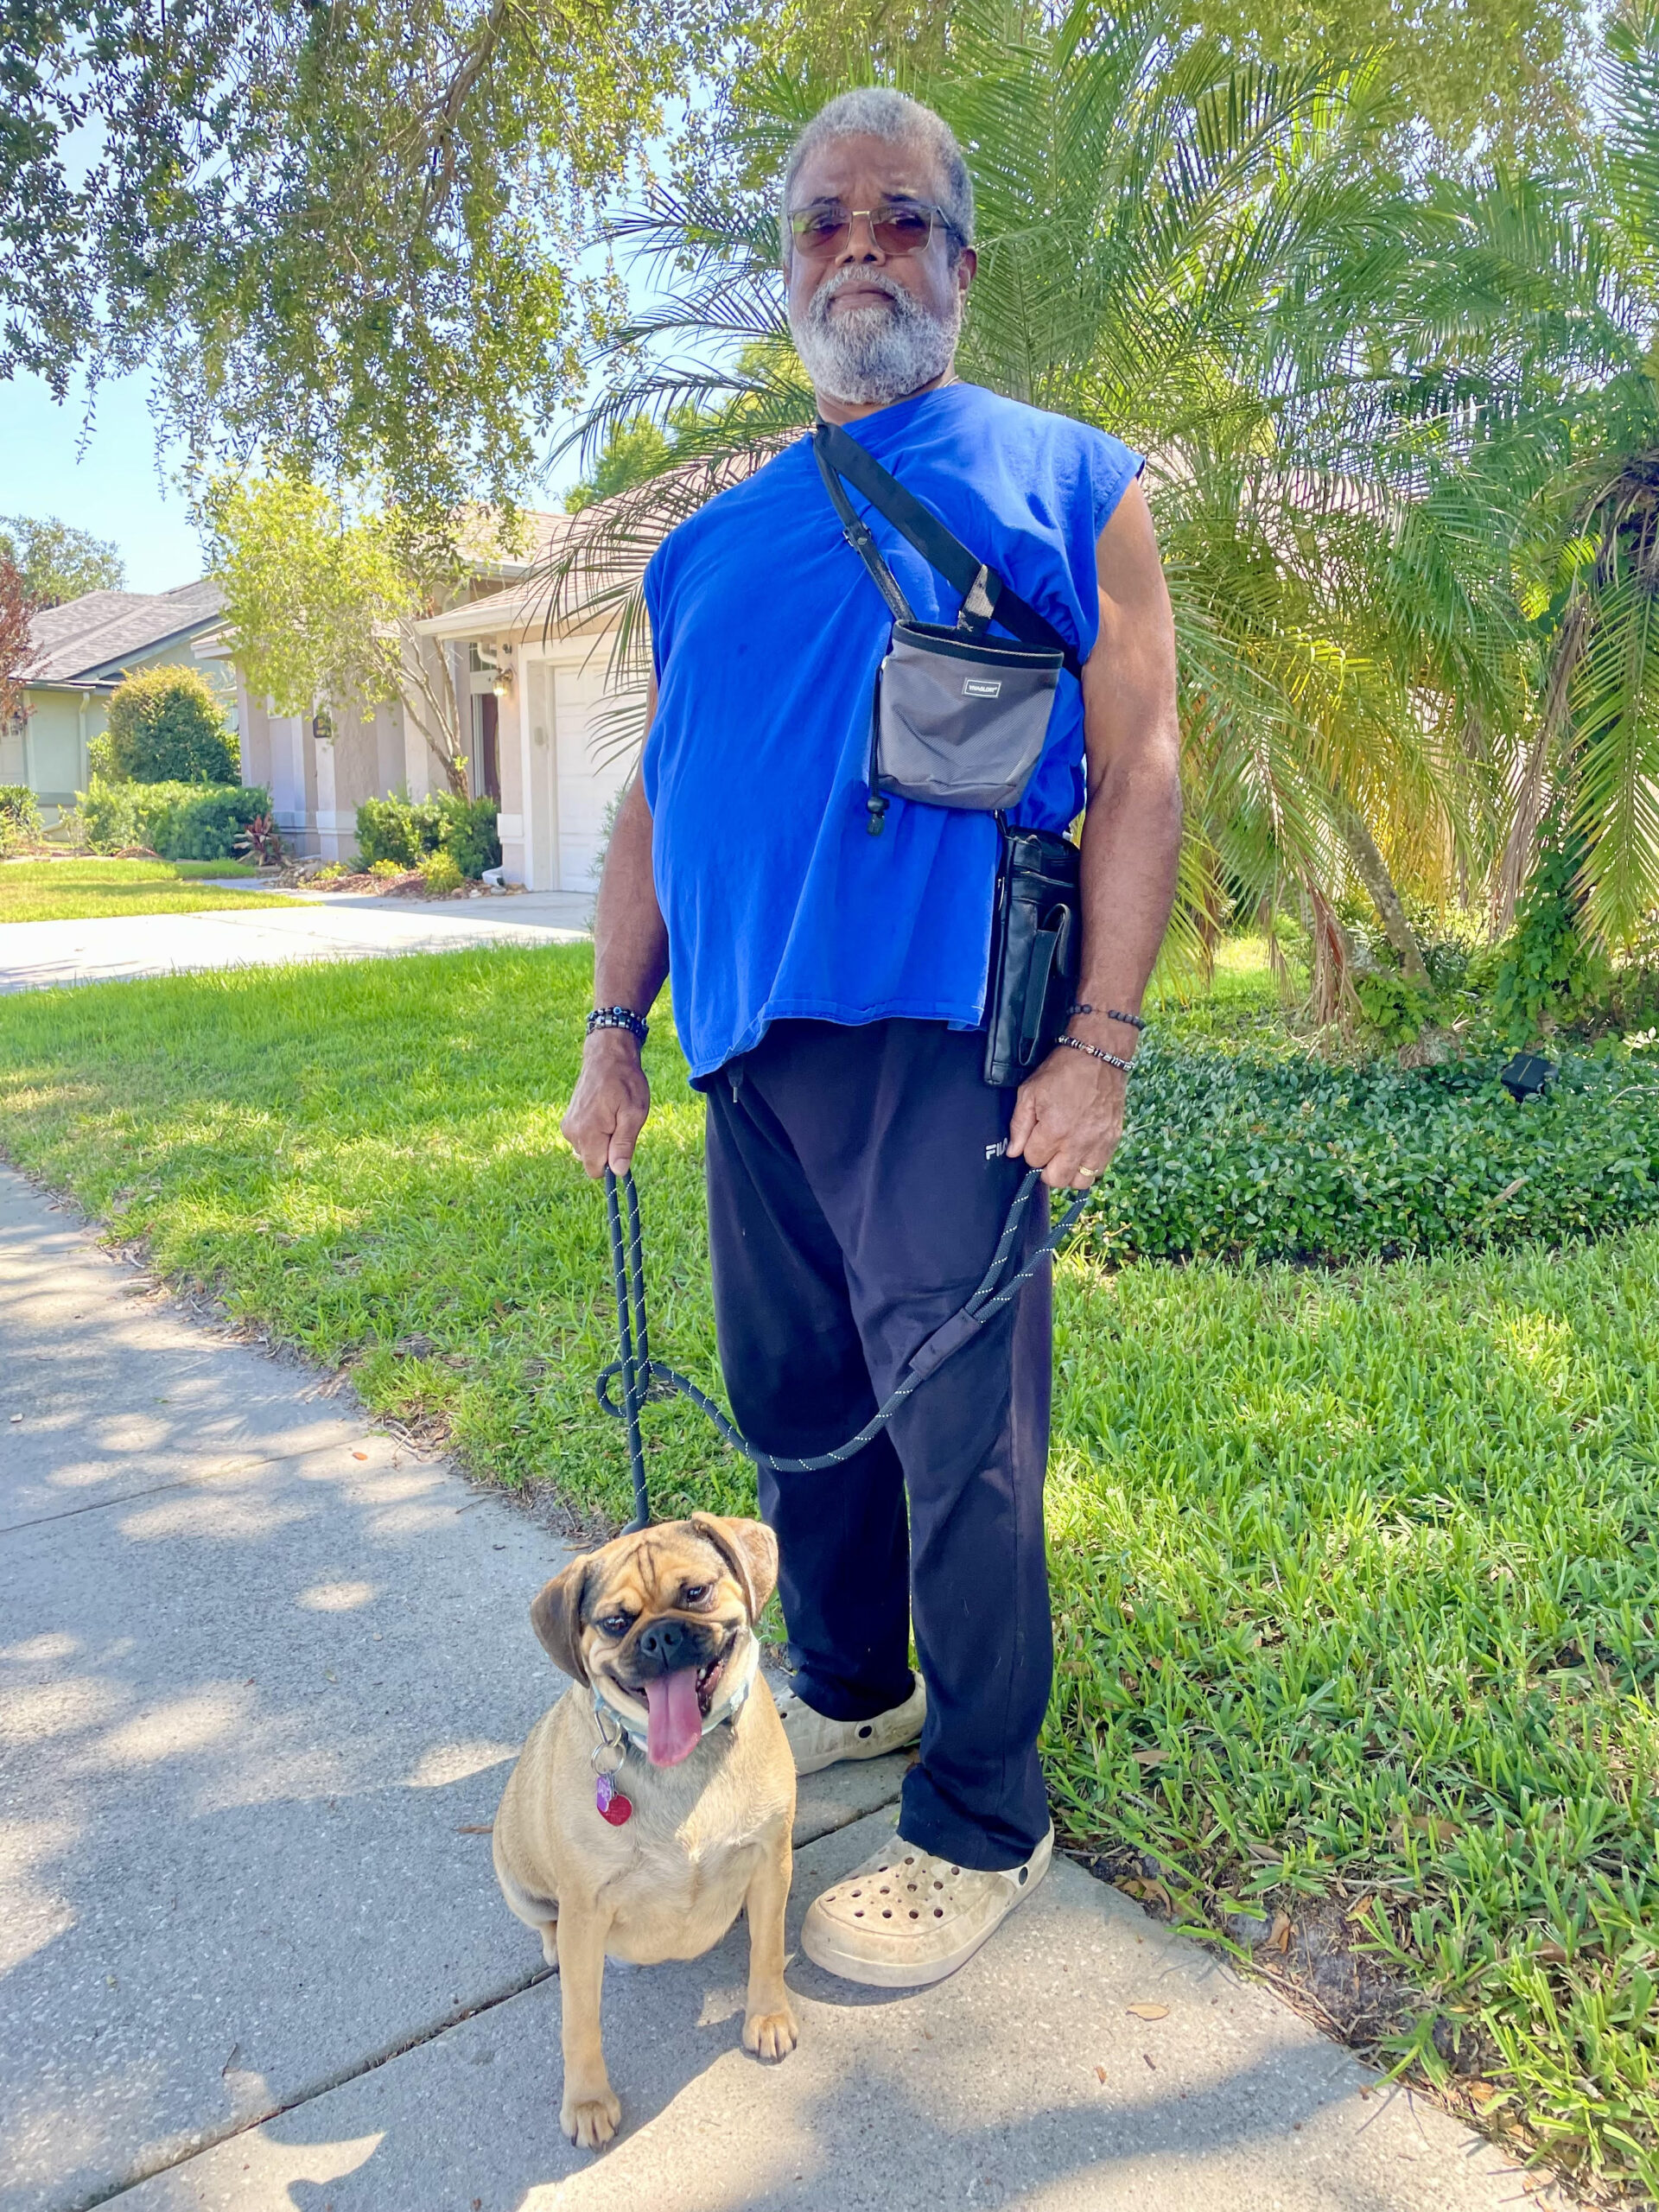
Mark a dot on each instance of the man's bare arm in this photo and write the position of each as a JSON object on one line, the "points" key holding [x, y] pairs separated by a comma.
{"points": [[1069, 1114], [611, 1098]]}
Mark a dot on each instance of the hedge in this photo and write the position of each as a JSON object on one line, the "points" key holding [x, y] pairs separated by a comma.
{"points": [[1292, 1158], [181, 821], [407, 830]]}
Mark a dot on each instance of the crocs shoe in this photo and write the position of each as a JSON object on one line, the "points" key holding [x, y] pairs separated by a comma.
{"points": [[816, 1741], [906, 1919]]}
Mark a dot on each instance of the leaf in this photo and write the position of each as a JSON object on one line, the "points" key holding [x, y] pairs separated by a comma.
{"points": [[1278, 1936], [1154, 1758], [1150, 2011], [1100, 2073]]}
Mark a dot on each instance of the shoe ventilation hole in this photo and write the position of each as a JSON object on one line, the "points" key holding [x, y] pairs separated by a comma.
{"points": [[858, 1893], [1024, 1871], [914, 1914], [938, 1912], [867, 1730], [938, 1885], [909, 1859], [887, 1912], [859, 1915], [954, 1870]]}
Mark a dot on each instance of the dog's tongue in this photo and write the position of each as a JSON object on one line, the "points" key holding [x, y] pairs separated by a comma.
{"points": [[676, 1724]]}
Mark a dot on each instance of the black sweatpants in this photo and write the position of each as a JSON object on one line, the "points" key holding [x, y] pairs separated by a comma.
{"points": [[856, 1191]]}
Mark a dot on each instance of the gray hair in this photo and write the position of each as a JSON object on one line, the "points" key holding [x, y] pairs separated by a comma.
{"points": [[877, 111]]}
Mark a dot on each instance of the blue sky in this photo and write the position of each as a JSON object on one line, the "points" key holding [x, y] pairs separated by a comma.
{"points": [[107, 481]]}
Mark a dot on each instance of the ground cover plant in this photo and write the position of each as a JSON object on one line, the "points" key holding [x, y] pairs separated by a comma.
{"points": [[1354, 1567], [83, 890]]}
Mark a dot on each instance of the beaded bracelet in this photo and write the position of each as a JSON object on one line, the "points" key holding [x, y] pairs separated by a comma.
{"points": [[1130, 1021], [618, 1017], [1076, 1045]]}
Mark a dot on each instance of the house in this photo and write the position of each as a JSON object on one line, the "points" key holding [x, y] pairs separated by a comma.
{"points": [[82, 650], [320, 767], [531, 712], [541, 703]]}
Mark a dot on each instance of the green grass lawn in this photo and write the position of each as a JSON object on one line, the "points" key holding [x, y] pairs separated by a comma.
{"points": [[1355, 1570], [82, 890]]}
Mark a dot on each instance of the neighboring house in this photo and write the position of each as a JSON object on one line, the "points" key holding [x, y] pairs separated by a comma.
{"points": [[530, 707], [82, 650], [320, 768], [542, 692]]}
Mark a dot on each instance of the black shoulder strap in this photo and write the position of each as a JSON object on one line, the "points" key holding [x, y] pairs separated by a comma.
{"points": [[839, 455]]}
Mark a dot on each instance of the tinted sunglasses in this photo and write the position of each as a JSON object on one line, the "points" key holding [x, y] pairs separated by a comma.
{"points": [[899, 226]]}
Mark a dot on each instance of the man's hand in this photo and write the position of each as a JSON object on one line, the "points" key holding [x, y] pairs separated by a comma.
{"points": [[609, 1104], [1067, 1119]]}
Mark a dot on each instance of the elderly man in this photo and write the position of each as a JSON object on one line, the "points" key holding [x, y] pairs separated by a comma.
{"points": [[829, 989]]}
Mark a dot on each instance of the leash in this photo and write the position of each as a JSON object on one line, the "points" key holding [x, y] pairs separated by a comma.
{"points": [[643, 1377]]}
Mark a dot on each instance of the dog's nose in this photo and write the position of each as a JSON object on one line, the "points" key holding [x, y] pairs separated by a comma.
{"points": [[666, 1644]]}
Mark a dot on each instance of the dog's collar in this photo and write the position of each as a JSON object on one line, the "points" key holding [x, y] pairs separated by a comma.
{"points": [[726, 1709]]}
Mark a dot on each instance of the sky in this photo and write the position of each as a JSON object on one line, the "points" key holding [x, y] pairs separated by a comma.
{"points": [[107, 481]]}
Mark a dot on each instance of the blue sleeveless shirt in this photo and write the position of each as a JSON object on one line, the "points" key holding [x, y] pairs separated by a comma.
{"points": [[767, 633]]}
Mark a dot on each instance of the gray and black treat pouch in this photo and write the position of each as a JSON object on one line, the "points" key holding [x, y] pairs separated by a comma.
{"points": [[960, 721]]}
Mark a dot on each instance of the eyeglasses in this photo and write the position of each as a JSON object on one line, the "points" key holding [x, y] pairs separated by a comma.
{"points": [[899, 226]]}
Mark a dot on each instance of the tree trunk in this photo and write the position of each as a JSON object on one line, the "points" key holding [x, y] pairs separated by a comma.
{"points": [[1373, 872]]}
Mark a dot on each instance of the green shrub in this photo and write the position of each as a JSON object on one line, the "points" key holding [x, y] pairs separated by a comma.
{"points": [[20, 817], [1295, 1158], [205, 825], [397, 830], [181, 821], [469, 833], [441, 875], [166, 727], [406, 830]]}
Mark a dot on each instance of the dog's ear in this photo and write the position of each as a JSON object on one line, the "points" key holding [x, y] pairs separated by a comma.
{"points": [[555, 1616], [750, 1551]]}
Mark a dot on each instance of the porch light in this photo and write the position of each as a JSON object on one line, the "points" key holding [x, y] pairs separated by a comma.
{"points": [[502, 686]]}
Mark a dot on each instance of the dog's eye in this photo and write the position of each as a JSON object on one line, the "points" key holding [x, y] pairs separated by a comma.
{"points": [[696, 1593], [617, 1625]]}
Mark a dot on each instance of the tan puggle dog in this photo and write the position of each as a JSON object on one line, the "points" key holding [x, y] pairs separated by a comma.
{"points": [[655, 1800]]}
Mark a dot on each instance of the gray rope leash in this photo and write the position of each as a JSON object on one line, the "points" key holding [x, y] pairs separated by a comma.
{"points": [[643, 1377]]}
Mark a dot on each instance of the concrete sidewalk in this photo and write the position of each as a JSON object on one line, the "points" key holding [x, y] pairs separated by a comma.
{"points": [[262, 1674], [36, 956]]}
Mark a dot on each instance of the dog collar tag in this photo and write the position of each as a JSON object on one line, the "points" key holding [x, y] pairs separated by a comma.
{"points": [[612, 1806]]}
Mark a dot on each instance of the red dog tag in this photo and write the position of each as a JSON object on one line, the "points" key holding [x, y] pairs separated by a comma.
{"points": [[612, 1804]]}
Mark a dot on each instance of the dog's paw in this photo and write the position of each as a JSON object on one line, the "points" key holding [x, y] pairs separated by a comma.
{"points": [[590, 2122], [771, 2035]]}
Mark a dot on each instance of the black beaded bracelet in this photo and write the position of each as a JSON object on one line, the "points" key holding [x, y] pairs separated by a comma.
{"points": [[618, 1017], [1130, 1021], [1076, 1045]]}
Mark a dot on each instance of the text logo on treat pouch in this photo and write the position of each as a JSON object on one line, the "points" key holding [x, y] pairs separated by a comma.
{"points": [[980, 687]]}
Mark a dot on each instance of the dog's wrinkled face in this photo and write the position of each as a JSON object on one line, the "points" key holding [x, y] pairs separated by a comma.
{"points": [[656, 1622]]}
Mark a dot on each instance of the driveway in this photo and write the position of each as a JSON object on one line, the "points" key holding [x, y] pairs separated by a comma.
{"points": [[36, 955], [262, 1674]]}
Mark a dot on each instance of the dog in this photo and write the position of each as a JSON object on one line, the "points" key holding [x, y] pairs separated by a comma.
{"points": [[655, 1800]]}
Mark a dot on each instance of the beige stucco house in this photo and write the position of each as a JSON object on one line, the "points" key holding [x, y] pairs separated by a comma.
{"points": [[528, 709], [82, 650]]}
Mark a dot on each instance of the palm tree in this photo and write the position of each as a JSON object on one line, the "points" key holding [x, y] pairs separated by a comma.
{"points": [[1214, 261]]}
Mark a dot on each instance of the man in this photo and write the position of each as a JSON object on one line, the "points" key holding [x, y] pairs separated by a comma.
{"points": [[829, 990]]}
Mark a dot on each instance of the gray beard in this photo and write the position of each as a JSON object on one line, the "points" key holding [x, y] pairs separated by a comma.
{"points": [[873, 356]]}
